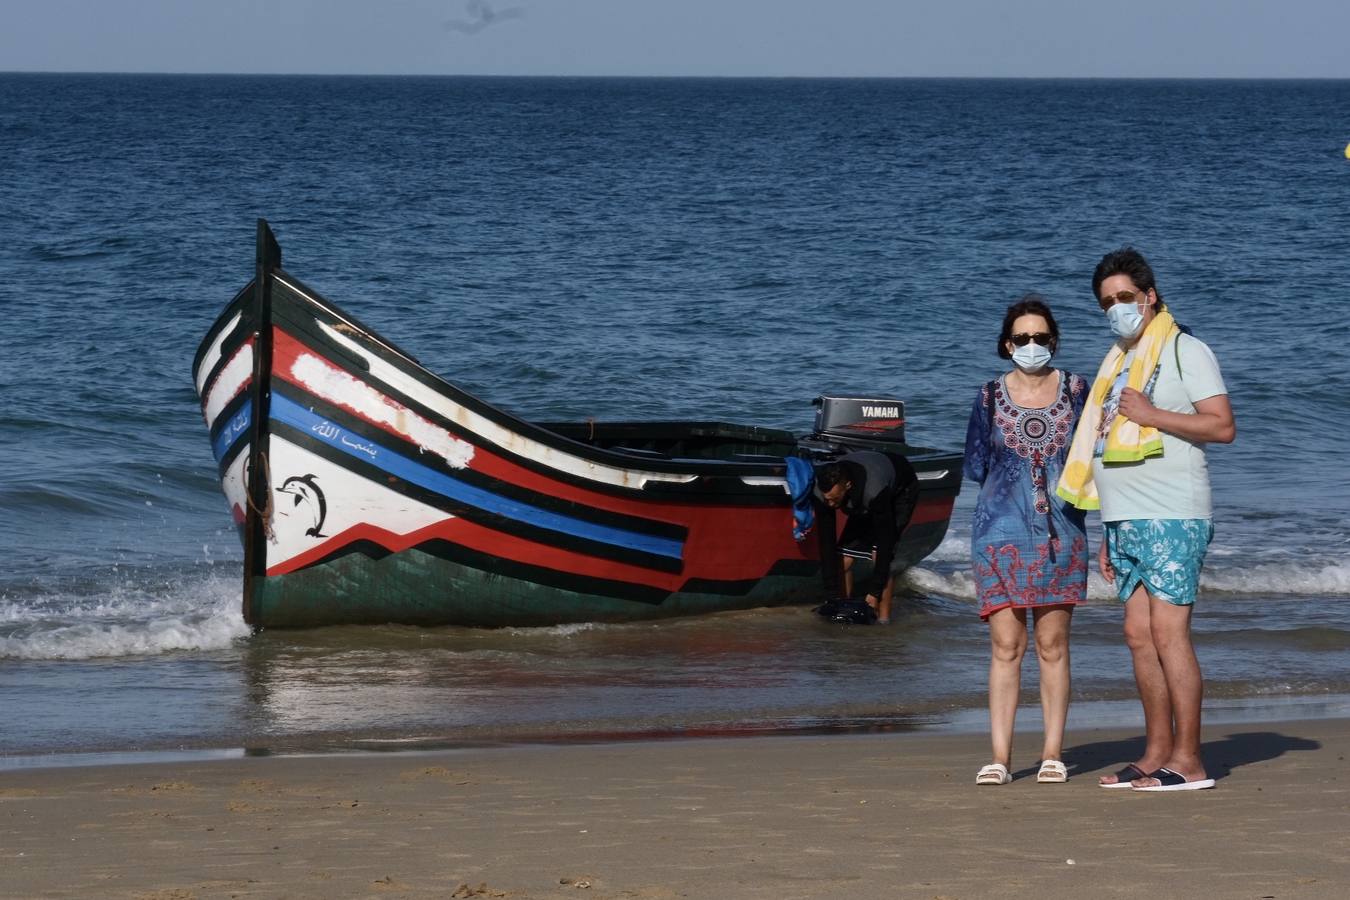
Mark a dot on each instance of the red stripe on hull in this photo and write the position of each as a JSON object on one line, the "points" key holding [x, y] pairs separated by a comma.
{"points": [[723, 556], [515, 549]]}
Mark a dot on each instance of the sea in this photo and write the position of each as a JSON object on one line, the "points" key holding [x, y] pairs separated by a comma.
{"points": [[611, 248]]}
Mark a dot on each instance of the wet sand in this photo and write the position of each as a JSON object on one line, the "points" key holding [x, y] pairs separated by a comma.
{"points": [[772, 817]]}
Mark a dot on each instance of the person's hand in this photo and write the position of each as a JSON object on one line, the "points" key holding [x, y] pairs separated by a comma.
{"points": [[1136, 407], [872, 601], [1104, 563]]}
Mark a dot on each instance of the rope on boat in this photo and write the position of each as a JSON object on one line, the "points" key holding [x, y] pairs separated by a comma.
{"points": [[267, 510]]}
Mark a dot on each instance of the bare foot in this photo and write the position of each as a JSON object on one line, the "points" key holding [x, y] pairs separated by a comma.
{"points": [[1191, 770], [1127, 775]]}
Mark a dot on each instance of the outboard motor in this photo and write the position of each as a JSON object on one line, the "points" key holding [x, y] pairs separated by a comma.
{"points": [[854, 423], [865, 418]]}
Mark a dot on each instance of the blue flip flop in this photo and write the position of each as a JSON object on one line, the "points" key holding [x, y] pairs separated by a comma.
{"points": [[1124, 777], [1175, 781]]}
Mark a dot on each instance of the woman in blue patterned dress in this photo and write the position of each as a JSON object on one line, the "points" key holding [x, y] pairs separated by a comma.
{"points": [[1028, 547]]}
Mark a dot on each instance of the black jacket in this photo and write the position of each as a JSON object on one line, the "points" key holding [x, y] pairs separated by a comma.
{"points": [[878, 505]]}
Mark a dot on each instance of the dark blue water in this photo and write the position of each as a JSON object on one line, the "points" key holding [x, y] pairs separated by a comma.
{"points": [[565, 248]]}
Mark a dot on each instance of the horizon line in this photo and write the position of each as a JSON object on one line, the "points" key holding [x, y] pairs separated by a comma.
{"points": [[707, 77]]}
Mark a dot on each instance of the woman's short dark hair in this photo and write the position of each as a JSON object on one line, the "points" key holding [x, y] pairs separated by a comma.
{"points": [[1030, 305], [1126, 261]]}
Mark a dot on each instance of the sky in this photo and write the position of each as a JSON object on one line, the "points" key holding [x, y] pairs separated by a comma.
{"points": [[811, 38]]}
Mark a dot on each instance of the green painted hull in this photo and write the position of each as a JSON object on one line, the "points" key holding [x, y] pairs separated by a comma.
{"points": [[417, 588]]}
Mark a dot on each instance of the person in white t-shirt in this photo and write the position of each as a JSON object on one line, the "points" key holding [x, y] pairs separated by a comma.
{"points": [[1156, 519]]}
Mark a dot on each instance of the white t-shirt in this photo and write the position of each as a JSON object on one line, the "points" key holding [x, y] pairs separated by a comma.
{"points": [[1174, 485]]}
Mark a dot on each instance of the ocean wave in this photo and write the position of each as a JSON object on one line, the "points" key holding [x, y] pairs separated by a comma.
{"points": [[762, 283], [122, 621], [52, 254], [961, 584], [72, 499], [1310, 638], [1279, 579], [1308, 690], [1276, 579], [958, 584], [566, 630], [954, 548]]}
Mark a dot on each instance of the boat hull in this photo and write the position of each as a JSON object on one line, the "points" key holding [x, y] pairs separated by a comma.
{"points": [[423, 587]]}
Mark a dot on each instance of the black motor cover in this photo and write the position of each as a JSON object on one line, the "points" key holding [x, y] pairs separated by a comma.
{"points": [[866, 418]]}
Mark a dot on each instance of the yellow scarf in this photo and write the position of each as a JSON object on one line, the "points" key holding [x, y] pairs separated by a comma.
{"points": [[1127, 441]]}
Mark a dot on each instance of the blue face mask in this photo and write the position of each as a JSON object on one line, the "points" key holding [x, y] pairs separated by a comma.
{"points": [[1031, 358], [1126, 319]]}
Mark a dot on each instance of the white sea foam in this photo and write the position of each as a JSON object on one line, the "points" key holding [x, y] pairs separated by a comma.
{"points": [[556, 630], [954, 548], [124, 620], [960, 583], [1277, 579]]}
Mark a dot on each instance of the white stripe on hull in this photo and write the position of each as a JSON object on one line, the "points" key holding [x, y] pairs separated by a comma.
{"points": [[341, 389], [212, 356], [232, 482], [232, 379], [766, 481], [505, 438]]}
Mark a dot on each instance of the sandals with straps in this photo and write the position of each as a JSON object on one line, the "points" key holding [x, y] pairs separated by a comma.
{"points": [[1052, 772], [994, 773]]}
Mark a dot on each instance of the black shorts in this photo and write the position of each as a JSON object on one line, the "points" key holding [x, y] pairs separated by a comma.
{"points": [[856, 538]]}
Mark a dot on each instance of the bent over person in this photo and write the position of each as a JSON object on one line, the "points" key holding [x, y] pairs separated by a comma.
{"points": [[1139, 456], [877, 492]]}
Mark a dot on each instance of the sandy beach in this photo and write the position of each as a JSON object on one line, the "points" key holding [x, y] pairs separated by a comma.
{"points": [[891, 815]]}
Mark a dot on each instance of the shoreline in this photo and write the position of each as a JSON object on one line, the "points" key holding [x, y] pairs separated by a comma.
{"points": [[783, 816], [963, 722]]}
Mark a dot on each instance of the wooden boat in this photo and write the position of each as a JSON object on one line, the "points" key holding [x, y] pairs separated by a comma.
{"points": [[368, 490]]}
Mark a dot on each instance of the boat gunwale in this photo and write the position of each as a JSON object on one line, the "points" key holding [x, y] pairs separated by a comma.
{"points": [[391, 353]]}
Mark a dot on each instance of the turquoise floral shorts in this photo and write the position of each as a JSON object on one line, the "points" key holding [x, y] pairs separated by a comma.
{"points": [[1165, 555]]}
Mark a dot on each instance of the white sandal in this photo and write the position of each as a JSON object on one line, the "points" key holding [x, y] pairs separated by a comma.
{"points": [[994, 773], [1052, 772]]}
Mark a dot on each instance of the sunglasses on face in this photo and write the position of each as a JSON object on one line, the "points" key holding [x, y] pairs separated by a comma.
{"points": [[1040, 337], [1111, 300]]}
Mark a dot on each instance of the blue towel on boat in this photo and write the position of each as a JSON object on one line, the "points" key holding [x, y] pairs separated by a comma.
{"points": [[801, 478]]}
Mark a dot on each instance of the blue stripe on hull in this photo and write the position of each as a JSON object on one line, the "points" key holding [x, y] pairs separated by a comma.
{"points": [[233, 430], [360, 447]]}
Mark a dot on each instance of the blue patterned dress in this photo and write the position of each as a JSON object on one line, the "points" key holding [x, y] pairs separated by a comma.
{"points": [[1028, 547]]}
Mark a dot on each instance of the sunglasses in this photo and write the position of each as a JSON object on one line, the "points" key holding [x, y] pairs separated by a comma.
{"points": [[1040, 337], [1111, 300]]}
